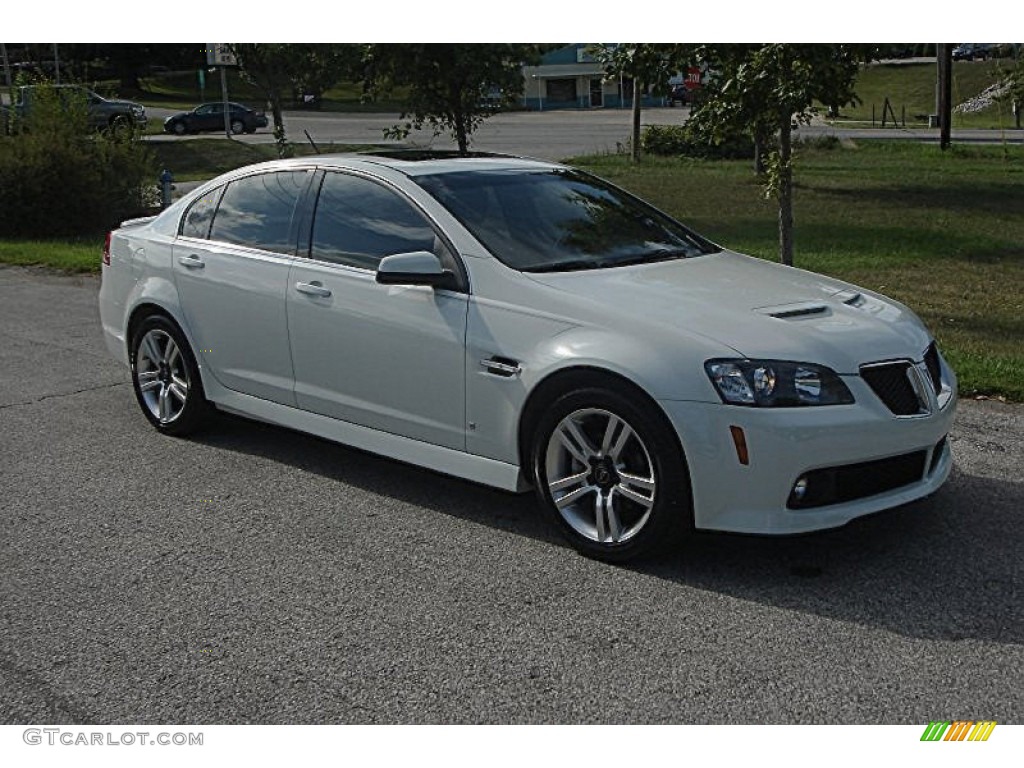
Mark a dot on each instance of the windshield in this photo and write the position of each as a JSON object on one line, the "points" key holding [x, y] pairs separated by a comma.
{"points": [[560, 219]]}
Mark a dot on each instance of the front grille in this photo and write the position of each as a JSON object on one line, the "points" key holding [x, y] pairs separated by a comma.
{"points": [[835, 485], [892, 385], [931, 360]]}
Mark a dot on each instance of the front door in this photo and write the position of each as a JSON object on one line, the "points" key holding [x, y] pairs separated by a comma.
{"points": [[390, 358], [596, 93]]}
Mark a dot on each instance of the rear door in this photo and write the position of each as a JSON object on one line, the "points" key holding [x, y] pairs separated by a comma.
{"points": [[231, 263]]}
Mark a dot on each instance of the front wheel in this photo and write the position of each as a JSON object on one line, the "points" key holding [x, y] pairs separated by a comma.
{"points": [[237, 127], [166, 378], [610, 474]]}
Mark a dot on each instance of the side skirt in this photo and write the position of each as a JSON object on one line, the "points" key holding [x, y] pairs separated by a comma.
{"points": [[478, 469]]}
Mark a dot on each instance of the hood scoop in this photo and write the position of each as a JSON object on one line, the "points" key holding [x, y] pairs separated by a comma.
{"points": [[796, 311]]}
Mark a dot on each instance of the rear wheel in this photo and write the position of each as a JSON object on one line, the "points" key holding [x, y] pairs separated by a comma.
{"points": [[166, 378], [610, 475]]}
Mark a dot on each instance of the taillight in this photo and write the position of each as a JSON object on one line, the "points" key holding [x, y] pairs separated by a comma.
{"points": [[106, 249]]}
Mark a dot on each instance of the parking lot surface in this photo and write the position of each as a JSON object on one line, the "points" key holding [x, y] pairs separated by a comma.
{"points": [[254, 574]]}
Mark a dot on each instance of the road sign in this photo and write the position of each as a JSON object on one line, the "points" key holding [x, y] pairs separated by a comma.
{"points": [[220, 55]]}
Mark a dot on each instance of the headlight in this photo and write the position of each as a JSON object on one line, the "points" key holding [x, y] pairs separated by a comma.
{"points": [[776, 383]]}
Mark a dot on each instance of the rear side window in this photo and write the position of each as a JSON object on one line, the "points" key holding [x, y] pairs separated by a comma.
{"points": [[257, 211], [197, 221], [359, 222]]}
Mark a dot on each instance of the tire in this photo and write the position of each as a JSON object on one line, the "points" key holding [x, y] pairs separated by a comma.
{"points": [[179, 129], [166, 378], [237, 127], [120, 126], [597, 449]]}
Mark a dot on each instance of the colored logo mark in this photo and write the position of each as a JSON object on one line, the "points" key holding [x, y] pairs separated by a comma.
{"points": [[958, 730]]}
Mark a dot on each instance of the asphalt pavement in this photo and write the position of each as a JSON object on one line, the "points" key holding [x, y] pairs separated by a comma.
{"points": [[253, 574], [549, 135]]}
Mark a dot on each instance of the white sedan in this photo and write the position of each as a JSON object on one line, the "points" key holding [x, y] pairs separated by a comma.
{"points": [[521, 323]]}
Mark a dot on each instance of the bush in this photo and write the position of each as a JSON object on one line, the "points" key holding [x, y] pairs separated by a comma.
{"points": [[59, 179], [682, 140]]}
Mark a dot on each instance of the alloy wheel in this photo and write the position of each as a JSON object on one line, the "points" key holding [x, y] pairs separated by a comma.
{"points": [[162, 376], [600, 476]]}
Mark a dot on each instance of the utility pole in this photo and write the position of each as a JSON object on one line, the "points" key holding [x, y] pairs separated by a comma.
{"points": [[56, 63], [944, 60]]}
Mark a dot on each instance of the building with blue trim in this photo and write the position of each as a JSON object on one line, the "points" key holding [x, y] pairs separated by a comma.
{"points": [[571, 78]]}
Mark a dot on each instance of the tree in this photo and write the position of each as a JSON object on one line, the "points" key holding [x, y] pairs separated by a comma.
{"points": [[452, 87], [766, 89], [648, 65], [1014, 94], [313, 68], [268, 66]]}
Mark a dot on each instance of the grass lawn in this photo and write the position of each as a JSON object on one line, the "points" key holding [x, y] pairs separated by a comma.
{"points": [[80, 254], [942, 233], [913, 86]]}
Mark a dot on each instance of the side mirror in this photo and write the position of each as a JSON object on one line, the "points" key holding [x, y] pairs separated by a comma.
{"points": [[416, 268]]}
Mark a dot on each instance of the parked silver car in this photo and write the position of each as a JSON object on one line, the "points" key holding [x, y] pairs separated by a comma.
{"points": [[519, 323]]}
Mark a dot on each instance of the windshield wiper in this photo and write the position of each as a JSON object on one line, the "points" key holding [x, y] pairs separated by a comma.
{"points": [[568, 265], [659, 254]]}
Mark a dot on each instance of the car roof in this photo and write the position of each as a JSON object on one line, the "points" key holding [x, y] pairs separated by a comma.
{"points": [[416, 162], [410, 163]]}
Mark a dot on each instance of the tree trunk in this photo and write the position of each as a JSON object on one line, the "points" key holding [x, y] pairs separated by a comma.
{"points": [[461, 135], [759, 152], [279, 135], [635, 149], [785, 191]]}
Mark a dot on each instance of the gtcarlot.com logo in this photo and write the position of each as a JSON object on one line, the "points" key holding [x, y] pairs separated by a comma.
{"points": [[59, 736], [958, 730]]}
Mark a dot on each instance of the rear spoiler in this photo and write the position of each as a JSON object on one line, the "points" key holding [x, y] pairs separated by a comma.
{"points": [[136, 222]]}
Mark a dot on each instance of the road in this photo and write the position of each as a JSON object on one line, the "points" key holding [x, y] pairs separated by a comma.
{"points": [[254, 574], [549, 135]]}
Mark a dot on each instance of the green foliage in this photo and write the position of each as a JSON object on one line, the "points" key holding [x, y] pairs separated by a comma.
{"points": [[450, 85], [684, 141], [650, 64], [291, 69], [58, 178], [765, 89]]}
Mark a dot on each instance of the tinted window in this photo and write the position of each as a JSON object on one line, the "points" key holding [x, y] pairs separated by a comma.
{"points": [[358, 222], [197, 221], [560, 219], [256, 211]]}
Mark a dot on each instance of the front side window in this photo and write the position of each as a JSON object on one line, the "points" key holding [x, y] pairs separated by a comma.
{"points": [[561, 219], [257, 211], [359, 222]]}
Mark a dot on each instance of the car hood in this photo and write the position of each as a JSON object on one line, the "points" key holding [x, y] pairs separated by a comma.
{"points": [[176, 116], [759, 309], [124, 103]]}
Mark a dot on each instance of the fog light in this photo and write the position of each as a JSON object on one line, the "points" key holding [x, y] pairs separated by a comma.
{"points": [[799, 490]]}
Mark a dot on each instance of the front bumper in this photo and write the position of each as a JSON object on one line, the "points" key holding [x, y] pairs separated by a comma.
{"points": [[784, 444]]}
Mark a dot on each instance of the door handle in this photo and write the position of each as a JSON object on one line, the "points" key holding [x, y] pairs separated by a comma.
{"points": [[192, 262], [313, 289]]}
